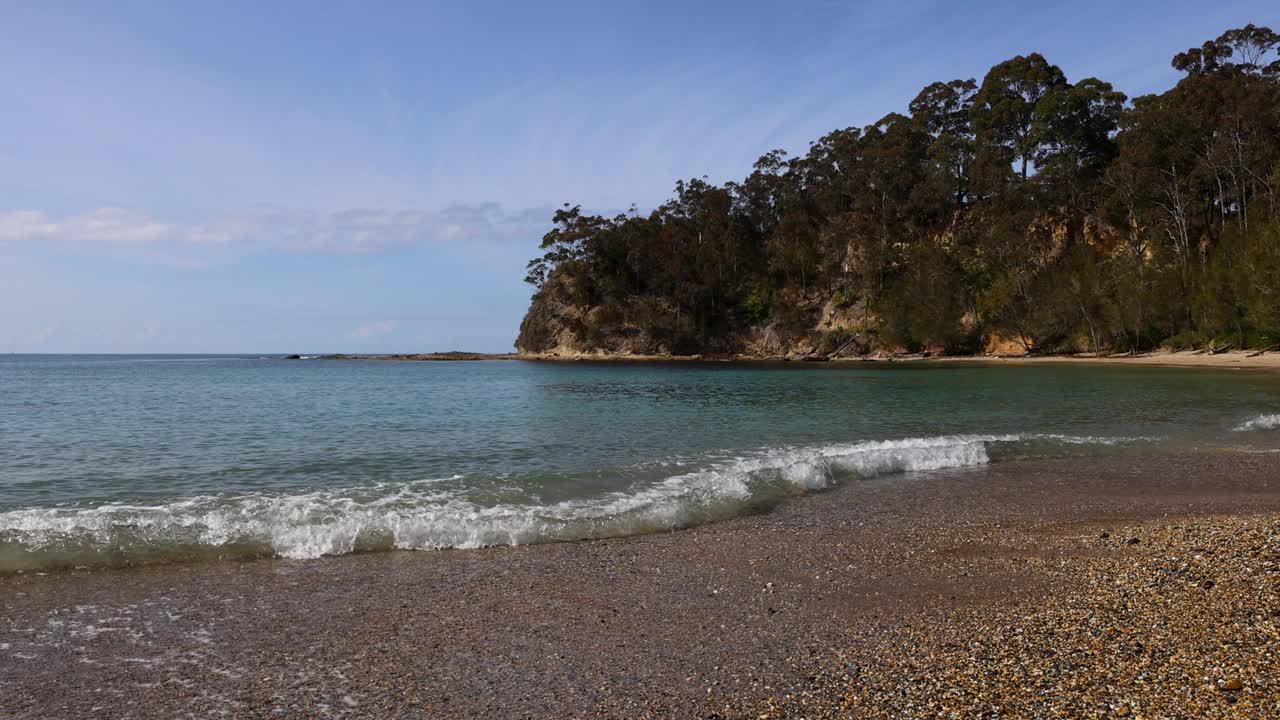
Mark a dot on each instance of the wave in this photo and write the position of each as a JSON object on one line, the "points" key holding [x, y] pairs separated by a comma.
{"points": [[424, 515], [1261, 422]]}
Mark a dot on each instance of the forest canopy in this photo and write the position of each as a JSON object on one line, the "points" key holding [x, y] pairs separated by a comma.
{"points": [[1022, 211]]}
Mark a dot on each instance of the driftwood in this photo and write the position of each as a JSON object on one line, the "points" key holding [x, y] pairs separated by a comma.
{"points": [[1219, 351], [836, 353], [1263, 351]]}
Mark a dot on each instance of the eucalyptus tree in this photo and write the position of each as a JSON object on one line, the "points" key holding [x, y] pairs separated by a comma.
{"points": [[1004, 111]]}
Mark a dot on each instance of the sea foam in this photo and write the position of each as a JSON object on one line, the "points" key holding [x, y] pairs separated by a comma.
{"points": [[1261, 422], [422, 516]]}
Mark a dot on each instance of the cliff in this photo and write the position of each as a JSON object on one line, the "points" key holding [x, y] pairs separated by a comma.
{"points": [[818, 328]]}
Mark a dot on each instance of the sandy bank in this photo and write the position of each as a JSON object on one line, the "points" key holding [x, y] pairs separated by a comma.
{"points": [[1234, 359], [1231, 359]]}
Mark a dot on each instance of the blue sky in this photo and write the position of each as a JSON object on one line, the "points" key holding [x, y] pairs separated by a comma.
{"points": [[322, 176]]}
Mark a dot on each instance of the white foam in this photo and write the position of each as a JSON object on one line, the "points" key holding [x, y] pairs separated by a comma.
{"points": [[1261, 422], [423, 516]]}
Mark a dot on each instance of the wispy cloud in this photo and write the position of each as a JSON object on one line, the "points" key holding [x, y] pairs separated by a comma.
{"points": [[271, 228], [49, 330], [374, 329], [104, 225]]}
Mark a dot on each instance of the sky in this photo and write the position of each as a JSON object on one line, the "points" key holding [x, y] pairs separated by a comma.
{"points": [[197, 177]]}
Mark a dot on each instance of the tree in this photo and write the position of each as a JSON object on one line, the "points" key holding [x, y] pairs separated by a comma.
{"points": [[1072, 133], [943, 110], [1004, 109], [1250, 47]]}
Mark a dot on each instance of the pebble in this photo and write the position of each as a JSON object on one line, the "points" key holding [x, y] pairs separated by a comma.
{"points": [[1109, 638]]}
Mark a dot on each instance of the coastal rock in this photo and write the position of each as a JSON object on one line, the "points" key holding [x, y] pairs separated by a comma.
{"points": [[558, 326], [561, 324]]}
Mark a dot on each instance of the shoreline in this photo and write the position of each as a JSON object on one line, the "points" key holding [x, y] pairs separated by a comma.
{"points": [[849, 602], [1238, 359], [1183, 358]]}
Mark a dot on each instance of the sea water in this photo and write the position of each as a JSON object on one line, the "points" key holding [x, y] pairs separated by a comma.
{"points": [[122, 459]]}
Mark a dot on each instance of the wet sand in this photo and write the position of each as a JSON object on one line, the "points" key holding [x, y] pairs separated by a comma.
{"points": [[1247, 360], [1102, 587]]}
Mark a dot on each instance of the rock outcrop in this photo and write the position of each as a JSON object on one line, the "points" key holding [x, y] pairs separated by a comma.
{"points": [[817, 328]]}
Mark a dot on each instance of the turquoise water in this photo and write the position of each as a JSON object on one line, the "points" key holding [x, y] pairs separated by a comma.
{"points": [[117, 459]]}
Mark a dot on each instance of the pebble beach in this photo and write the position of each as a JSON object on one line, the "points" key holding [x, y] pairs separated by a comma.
{"points": [[1188, 628]]}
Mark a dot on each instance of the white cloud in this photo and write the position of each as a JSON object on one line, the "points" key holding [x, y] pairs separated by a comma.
{"points": [[271, 228], [109, 225], [49, 330], [374, 329]]}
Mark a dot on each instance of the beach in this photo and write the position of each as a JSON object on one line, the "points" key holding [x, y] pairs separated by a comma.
{"points": [[1232, 359], [1143, 586], [442, 362]]}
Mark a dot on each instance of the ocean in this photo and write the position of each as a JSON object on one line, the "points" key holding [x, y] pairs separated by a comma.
{"points": [[109, 460]]}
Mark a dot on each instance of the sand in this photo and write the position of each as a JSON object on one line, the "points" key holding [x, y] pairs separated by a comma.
{"points": [[1188, 358], [1141, 586]]}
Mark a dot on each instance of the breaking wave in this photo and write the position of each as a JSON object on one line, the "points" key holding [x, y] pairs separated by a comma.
{"points": [[1261, 422], [424, 515]]}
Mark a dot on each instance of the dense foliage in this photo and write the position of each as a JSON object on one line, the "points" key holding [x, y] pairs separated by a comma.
{"points": [[1050, 215]]}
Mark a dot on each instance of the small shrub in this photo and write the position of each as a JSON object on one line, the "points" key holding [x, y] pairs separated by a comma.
{"points": [[1124, 342], [1185, 340], [791, 314], [842, 298], [1244, 340], [756, 307], [834, 340], [1058, 344]]}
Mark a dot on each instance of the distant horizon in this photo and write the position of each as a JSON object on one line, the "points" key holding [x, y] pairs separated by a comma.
{"points": [[185, 180]]}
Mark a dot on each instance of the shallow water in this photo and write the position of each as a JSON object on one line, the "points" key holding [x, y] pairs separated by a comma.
{"points": [[118, 459]]}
